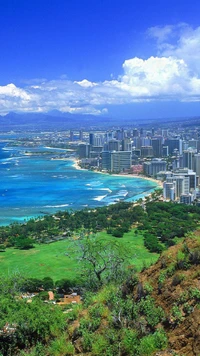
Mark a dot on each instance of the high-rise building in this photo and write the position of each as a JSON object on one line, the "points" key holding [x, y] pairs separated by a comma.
{"points": [[186, 198], [71, 136], [173, 143], [145, 141], [84, 150], [175, 186], [187, 173], [135, 132], [113, 145], [156, 144], [120, 161], [154, 166], [126, 144], [169, 190], [146, 151], [165, 151], [188, 158], [91, 138], [106, 160], [116, 161]]}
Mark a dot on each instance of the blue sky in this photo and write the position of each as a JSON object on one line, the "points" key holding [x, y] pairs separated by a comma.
{"points": [[104, 57]]}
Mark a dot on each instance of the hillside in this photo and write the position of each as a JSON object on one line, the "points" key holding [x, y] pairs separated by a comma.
{"points": [[122, 312], [162, 311], [176, 288]]}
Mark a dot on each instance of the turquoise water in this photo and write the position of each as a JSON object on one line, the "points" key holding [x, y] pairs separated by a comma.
{"points": [[31, 186]]}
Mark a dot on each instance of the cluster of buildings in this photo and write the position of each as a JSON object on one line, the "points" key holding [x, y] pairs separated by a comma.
{"points": [[171, 155]]}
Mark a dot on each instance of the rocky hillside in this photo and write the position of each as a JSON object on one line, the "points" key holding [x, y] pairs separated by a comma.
{"points": [[176, 288]]}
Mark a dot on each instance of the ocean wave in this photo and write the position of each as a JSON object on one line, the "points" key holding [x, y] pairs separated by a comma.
{"points": [[99, 198], [56, 206], [7, 149], [16, 176], [54, 148], [106, 189], [122, 193], [10, 159], [96, 184]]}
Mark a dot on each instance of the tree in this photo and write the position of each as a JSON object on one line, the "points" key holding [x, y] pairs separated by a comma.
{"points": [[24, 243], [48, 283], [102, 261]]}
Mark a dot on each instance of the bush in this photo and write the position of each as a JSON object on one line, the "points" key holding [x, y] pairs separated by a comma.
{"points": [[118, 233], [99, 345], [60, 347], [130, 342], [48, 283], [152, 244], [149, 344], [177, 316], [152, 313]]}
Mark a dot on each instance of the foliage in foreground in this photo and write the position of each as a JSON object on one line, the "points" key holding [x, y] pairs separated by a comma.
{"points": [[132, 316]]}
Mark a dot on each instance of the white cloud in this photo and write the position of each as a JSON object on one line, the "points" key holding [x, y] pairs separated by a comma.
{"points": [[12, 91], [180, 41], [172, 74], [86, 83]]}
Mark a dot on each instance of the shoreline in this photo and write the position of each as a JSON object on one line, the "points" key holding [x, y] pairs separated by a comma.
{"points": [[131, 175]]}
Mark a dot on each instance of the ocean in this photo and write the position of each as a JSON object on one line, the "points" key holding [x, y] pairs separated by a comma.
{"points": [[34, 185]]}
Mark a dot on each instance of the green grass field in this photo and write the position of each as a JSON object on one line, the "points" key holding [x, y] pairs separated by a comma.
{"points": [[58, 259]]}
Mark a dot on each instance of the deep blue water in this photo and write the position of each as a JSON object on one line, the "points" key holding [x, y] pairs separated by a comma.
{"points": [[33, 185]]}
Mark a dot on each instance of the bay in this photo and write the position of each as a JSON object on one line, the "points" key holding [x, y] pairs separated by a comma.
{"points": [[34, 185]]}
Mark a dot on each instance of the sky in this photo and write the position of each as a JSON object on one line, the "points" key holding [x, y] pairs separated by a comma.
{"points": [[117, 58]]}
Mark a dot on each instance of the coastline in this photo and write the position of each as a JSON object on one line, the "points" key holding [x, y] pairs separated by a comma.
{"points": [[158, 182]]}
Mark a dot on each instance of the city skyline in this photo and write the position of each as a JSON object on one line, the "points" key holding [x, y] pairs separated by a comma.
{"points": [[101, 58]]}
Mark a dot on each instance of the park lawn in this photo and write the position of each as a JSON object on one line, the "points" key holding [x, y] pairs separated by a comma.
{"points": [[59, 259], [139, 256], [56, 260]]}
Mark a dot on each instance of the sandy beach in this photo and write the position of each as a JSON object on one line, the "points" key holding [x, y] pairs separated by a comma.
{"points": [[158, 182]]}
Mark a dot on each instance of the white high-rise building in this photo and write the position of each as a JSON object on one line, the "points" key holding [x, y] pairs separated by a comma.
{"points": [[182, 182]]}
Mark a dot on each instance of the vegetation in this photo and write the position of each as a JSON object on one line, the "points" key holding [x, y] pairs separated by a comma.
{"points": [[125, 316], [123, 312], [61, 259], [160, 222]]}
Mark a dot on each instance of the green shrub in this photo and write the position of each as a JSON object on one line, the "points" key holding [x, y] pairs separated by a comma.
{"points": [[99, 345], [60, 347], [171, 270], [149, 344], [129, 343], [152, 313], [86, 341], [148, 288], [177, 315], [194, 293]]}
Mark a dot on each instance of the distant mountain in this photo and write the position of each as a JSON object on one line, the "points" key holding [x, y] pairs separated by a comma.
{"points": [[56, 120], [52, 120]]}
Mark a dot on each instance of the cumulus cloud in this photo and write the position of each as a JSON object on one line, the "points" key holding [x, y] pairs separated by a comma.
{"points": [[180, 41], [172, 73]]}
